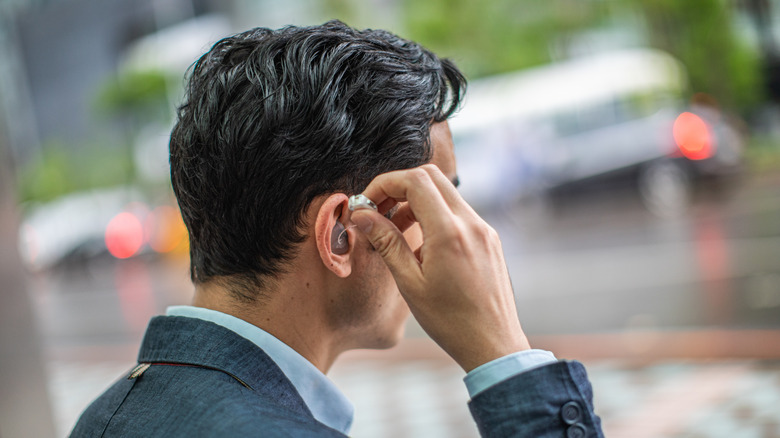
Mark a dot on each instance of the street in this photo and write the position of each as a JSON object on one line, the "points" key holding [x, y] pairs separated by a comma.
{"points": [[604, 263]]}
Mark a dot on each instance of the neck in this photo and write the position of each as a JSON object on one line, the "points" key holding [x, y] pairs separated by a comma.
{"points": [[293, 313]]}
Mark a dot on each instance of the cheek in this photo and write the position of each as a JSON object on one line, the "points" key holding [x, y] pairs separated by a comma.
{"points": [[373, 309], [372, 293], [414, 237], [384, 302]]}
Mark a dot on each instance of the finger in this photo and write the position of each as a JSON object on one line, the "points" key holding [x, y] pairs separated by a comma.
{"points": [[387, 205], [448, 191], [388, 241], [403, 217], [417, 187]]}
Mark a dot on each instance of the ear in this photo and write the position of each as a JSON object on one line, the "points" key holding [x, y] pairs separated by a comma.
{"points": [[333, 217]]}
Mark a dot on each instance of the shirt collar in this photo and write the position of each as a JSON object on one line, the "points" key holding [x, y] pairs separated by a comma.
{"points": [[326, 403]]}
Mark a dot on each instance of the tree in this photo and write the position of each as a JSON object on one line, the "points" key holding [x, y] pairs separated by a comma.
{"points": [[497, 36], [701, 34]]}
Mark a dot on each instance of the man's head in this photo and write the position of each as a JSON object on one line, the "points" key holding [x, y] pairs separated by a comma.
{"points": [[273, 120]]}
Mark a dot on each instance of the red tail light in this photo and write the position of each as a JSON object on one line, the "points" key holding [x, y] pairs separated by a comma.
{"points": [[693, 136], [124, 235]]}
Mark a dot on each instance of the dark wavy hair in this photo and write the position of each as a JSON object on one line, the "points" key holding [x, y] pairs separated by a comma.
{"points": [[273, 119]]}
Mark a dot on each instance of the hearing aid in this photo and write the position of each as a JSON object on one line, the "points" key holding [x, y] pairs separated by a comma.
{"points": [[339, 240], [359, 202]]}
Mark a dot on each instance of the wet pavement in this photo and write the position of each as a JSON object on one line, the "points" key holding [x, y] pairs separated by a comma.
{"points": [[601, 262]]}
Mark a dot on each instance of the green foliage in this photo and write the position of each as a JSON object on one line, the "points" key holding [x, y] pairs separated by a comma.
{"points": [[763, 155], [138, 94], [345, 10], [494, 36], [132, 100], [700, 33], [490, 37], [62, 169]]}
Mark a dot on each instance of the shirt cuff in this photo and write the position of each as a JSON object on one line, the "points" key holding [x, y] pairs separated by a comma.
{"points": [[495, 371]]}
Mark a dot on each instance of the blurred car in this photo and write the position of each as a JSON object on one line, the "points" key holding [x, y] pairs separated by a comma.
{"points": [[114, 222], [528, 133]]}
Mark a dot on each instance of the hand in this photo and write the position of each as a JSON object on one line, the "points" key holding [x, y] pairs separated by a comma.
{"points": [[456, 284]]}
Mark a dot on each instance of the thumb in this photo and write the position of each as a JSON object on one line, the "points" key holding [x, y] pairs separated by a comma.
{"points": [[389, 242]]}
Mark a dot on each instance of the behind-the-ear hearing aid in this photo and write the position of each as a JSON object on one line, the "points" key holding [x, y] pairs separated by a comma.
{"points": [[339, 240]]}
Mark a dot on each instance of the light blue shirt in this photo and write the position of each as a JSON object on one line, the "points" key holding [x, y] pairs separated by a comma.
{"points": [[495, 371], [326, 403]]}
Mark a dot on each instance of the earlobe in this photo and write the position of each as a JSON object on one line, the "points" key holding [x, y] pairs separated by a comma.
{"points": [[333, 243]]}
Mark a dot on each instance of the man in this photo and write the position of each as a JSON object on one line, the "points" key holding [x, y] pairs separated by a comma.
{"points": [[278, 129]]}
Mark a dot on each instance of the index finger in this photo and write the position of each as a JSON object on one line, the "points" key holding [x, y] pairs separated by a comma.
{"points": [[415, 186]]}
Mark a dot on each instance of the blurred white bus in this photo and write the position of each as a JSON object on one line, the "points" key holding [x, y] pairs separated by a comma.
{"points": [[525, 133]]}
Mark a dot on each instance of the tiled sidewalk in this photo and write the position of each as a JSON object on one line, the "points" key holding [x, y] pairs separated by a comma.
{"points": [[426, 398]]}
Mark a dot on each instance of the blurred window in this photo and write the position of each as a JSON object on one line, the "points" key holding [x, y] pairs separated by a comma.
{"points": [[586, 118], [620, 109]]}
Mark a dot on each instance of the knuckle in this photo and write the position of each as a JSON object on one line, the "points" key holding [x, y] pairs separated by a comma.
{"points": [[478, 228], [475, 233], [457, 237], [419, 175], [385, 244], [491, 232], [453, 232], [429, 168], [488, 235]]}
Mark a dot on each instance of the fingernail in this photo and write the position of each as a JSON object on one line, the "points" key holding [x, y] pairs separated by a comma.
{"points": [[363, 222]]}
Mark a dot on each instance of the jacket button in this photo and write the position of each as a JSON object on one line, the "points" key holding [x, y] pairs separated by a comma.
{"points": [[571, 412], [576, 430]]}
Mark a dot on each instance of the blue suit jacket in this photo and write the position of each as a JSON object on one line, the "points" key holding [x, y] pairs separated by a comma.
{"points": [[196, 378]]}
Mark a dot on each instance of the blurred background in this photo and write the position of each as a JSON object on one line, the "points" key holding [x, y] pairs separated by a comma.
{"points": [[627, 151]]}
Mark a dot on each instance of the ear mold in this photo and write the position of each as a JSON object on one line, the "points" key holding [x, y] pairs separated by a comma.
{"points": [[339, 240]]}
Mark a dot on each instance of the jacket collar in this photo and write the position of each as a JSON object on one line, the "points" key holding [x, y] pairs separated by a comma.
{"points": [[191, 341]]}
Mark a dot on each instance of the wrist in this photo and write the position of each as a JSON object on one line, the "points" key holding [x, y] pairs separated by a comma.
{"points": [[488, 353], [495, 371]]}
